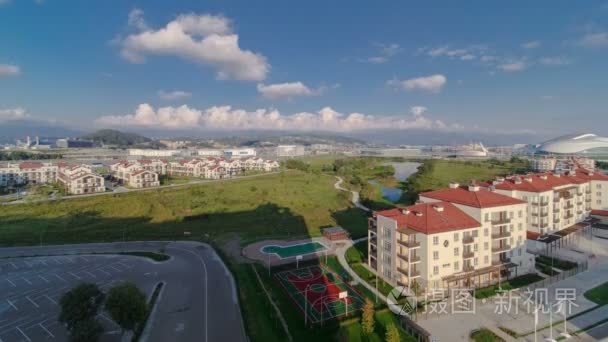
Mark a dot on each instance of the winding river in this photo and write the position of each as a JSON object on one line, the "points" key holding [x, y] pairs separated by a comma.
{"points": [[403, 170]]}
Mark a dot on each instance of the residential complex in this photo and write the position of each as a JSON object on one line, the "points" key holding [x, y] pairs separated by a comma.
{"points": [[475, 235], [138, 174], [77, 179]]}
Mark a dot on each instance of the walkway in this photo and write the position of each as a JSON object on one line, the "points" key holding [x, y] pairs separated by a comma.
{"points": [[355, 195]]}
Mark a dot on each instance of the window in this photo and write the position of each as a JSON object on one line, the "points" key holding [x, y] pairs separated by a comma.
{"points": [[486, 246], [475, 247], [511, 228], [519, 251], [520, 214], [511, 239], [520, 227], [456, 251], [456, 237], [435, 255], [475, 233], [485, 232], [510, 253], [387, 245], [456, 266], [487, 217], [435, 240], [435, 269], [486, 259], [475, 261]]}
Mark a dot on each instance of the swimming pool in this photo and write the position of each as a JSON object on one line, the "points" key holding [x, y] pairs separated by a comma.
{"points": [[294, 250]]}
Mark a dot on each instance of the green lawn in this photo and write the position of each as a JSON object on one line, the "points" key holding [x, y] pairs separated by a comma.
{"points": [[287, 204], [485, 335], [563, 265], [598, 294], [510, 284]]}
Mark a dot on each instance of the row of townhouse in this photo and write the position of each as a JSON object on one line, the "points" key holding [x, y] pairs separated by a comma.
{"points": [[473, 236], [135, 175], [77, 179], [211, 167]]}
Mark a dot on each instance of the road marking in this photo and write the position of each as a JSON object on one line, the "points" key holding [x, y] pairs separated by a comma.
{"points": [[85, 259], [102, 271], [11, 282], [11, 304], [43, 278], [57, 275], [15, 267], [47, 331], [73, 275], [91, 274], [116, 269], [24, 335], [27, 281], [27, 263], [51, 299], [43, 262], [57, 261], [31, 301]]}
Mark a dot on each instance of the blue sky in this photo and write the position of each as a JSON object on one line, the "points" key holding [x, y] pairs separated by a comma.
{"points": [[308, 65]]}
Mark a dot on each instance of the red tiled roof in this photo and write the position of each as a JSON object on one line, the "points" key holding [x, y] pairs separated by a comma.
{"points": [[477, 199], [536, 182], [532, 235], [589, 175], [30, 165], [599, 212], [426, 219]]}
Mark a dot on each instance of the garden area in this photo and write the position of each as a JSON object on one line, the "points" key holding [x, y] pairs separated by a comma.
{"points": [[506, 285]]}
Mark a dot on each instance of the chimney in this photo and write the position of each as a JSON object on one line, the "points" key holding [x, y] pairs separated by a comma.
{"points": [[543, 177], [590, 173], [454, 185], [517, 180], [557, 175], [473, 188], [528, 179], [405, 211], [438, 208], [418, 213]]}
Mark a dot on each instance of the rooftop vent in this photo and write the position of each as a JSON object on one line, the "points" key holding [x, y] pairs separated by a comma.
{"points": [[528, 179], [500, 179], [473, 187], [438, 208], [454, 185], [405, 211], [543, 177], [517, 180], [590, 173], [557, 175], [418, 213]]}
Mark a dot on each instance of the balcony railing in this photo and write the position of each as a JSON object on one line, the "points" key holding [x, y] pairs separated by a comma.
{"points": [[409, 243], [467, 239], [410, 273], [588, 192], [501, 262], [468, 254], [588, 199], [501, 235], [544, 214], [374, 241], [556, 210], [544, 203], [544, 225], [556, 220], [468, 268], [569, 206], [500, 249], [568, 216], [501, 220], [409, 259]]}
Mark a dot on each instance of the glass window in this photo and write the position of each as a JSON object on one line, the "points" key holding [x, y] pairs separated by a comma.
{"points": [[435, 255], [456, 251], [486, 246], [456, 237], [435, 240], [456, 266], [435, 269]]}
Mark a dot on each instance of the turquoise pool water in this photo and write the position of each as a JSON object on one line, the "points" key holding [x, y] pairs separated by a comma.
{"points": [[294, 250]]}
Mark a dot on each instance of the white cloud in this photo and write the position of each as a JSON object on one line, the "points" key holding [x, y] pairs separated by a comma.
{"points": [[418, 110], [174, 95], [13, 114], [7, 70], [287, 90], [204, 39], [387, 51], [467, 57], [554, 61], [531, 45], [432, 84], [227, 118], [513, 66], [595, 40]]}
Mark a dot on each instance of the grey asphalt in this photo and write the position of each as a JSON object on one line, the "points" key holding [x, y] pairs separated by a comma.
{"points": [[198, 301]]}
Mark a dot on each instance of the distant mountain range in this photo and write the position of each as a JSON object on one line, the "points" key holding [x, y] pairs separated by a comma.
{"points": [[19, 129], [117, 138]]}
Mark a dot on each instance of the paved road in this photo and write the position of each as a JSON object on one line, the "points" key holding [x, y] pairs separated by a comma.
{"points": [[198, 302], [355, 195]]}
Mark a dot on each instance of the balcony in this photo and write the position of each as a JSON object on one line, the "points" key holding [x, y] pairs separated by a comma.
{"points": [[501, 261], [501, 235], [408, 243], [588, 199], [544, 203], [468, 268], [535, 214], [467, 239], [544, 225], [568, 216], [556, 199], [409, 259], [501, 220], [556, 220], [410, 274], [500, 249], [579, 212], [544, 214], [556, 210], [569, 206], [579, 202], [588, 192], [373, 241], [579, 193], [468, 254]]}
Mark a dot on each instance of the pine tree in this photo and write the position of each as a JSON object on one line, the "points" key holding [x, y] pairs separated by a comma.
{"points": [[392, 334], [368, 320]]}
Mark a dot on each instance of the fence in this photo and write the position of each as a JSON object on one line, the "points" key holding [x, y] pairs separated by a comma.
{"points": [[415, 330]]}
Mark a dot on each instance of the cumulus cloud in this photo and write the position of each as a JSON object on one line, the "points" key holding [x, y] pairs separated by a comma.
{"points": [[287, 90], [595, 40], [204, 39], [174, 95], [418, 110], [13, 114], [431, 84], [512, 66], [554, 61], [7, 70], [531, 45], [228, 118]]}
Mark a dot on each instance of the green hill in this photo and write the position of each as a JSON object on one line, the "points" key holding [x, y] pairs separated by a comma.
{"points": [[113, 137]]}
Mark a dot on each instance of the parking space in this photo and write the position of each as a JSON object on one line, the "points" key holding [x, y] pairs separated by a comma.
{"points": [[30, 289]]}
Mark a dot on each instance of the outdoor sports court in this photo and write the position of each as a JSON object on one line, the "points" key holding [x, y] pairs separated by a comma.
{"points": [[316, 290]]}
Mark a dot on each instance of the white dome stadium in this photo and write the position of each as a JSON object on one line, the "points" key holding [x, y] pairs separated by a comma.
{"points": [[575, 143]]}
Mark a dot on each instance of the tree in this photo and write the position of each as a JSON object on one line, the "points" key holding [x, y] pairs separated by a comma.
{"points": [[80, 304], [392, 334], [127, 306], [368, 320], [86, 331]]}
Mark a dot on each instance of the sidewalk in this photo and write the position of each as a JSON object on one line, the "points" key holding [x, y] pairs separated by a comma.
{"points": [[355, 195]]}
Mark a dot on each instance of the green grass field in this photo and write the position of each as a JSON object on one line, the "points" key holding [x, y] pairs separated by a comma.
{"points": [[598, 294], [287, 204]]}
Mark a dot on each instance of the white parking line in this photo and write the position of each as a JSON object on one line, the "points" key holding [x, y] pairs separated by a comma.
{"points": [[27, 281], [57, 275], [51, 299], [24, 335], [91, 274], [85, 259], [11, 304], [31, 301], [57, 261], [43, 278], [11, 282], [105, 272], [73, 275], [116, 269], [27, 263], [47, 331]]}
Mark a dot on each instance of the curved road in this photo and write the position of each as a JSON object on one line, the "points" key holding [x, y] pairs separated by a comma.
{"points": [[355, 195], [199, 301]]}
